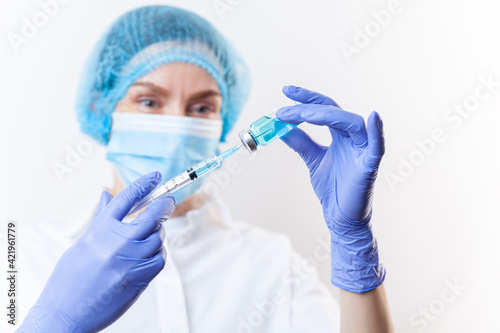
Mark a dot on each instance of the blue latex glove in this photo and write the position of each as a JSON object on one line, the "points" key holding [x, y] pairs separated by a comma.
{"points": [[105, 271], [343, 176]]}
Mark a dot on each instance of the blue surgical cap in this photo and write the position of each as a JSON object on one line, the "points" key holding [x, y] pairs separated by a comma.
{"points": [[143, 39]]}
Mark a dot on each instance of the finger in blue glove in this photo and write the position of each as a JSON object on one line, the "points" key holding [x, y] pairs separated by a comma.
{"points": [[104, 272], [343, 176]]}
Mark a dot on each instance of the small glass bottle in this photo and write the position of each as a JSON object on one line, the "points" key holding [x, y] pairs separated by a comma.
{"points": [[263, 131]]}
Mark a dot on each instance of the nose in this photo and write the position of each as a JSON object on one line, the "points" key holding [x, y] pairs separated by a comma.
{"points": [[174, 107]]}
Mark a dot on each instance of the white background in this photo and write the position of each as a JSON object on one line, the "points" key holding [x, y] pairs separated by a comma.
{"points": [[440, 223]]}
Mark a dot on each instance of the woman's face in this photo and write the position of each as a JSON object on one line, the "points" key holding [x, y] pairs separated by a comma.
{"points": [[176, 89]]}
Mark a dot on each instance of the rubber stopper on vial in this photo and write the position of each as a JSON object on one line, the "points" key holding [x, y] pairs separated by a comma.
{"points": [[248, 141]]}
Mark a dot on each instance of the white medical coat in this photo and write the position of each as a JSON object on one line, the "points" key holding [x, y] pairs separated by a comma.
{"points": [[220, 277]]}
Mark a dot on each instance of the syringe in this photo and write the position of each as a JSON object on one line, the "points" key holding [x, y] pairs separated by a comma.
{"points": [[190, 175]]}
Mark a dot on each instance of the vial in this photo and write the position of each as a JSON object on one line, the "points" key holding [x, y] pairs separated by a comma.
{"points": [[263, 131]]}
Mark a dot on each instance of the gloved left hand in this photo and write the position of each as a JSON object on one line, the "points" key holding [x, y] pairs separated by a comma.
{"points": [[343, 176], [104, 272]]}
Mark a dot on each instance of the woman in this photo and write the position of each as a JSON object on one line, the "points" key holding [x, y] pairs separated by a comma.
{"points": [[161, 90]]}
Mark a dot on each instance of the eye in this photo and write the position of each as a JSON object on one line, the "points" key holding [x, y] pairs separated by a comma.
{"points": [[148, 103], [201, 108]]}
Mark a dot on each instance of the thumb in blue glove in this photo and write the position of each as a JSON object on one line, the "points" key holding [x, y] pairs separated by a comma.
{"points": [[343, 177], [104, 272]]}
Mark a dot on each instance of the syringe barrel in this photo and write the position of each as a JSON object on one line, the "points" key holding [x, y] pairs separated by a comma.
{"points": [[164, 190], [140, 205], [196, 171], [207, 165]]}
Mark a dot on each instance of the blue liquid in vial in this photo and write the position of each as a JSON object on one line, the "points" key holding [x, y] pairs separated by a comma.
{"points": [[267, 129]]}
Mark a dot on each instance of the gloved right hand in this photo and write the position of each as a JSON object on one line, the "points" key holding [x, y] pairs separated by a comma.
{"points": [[105, 271]]}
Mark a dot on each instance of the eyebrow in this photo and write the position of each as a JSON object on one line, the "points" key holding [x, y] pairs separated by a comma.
{"points": [[204, 94], [199, 95], [151, 86]]}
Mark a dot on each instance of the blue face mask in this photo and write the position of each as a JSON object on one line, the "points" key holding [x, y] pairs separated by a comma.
{"points": [[141, 143]]}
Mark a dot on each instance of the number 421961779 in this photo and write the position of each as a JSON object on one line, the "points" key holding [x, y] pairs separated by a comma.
{"points": [[11, 241]]}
